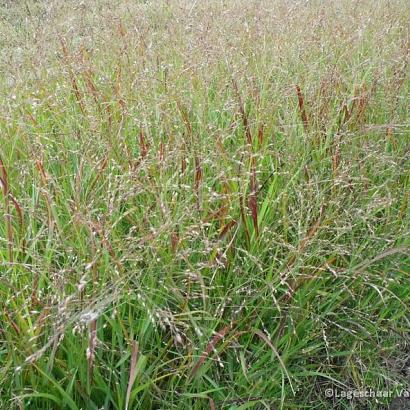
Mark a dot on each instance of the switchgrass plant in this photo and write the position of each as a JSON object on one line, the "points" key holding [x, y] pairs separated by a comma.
{"points": [[204, 204]]}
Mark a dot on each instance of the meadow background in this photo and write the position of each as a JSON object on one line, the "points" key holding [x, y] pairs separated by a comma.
{"points": [[204, 204]]}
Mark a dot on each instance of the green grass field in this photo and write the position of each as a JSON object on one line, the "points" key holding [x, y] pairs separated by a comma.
{"points": [[204, 204]]}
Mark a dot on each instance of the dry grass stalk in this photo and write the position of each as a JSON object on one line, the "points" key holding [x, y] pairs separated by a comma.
{"points": [[133, 373], [209, 348], [7, 214], [302, 109]]}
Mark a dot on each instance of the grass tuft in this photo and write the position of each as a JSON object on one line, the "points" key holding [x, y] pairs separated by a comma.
{"points": [[204, 204]]}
